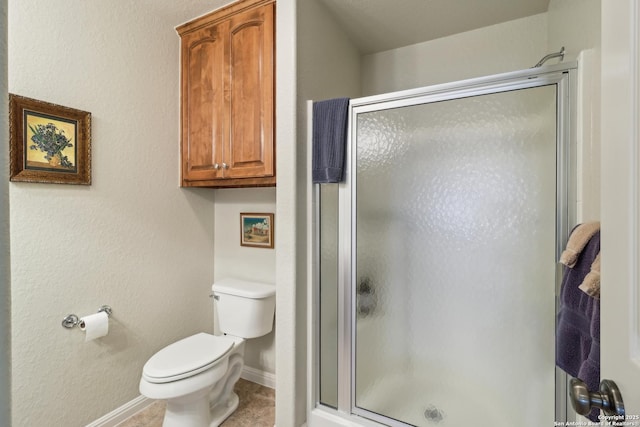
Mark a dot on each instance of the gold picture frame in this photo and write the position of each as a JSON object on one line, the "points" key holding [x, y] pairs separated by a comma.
{"points": [[48, 143], [256, 230]]}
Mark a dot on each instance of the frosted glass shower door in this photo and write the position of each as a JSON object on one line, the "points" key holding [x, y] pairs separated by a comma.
{"points": [[455, 261]]}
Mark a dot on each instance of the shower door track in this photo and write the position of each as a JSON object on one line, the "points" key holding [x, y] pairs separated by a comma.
{"points": [[347, 413]]}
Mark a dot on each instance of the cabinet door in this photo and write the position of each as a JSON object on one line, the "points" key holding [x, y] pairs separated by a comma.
{"points": [[250, 152], [203, 102]]}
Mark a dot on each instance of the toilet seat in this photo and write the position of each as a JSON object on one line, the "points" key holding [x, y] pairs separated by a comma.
{"points": [[186, 357]]}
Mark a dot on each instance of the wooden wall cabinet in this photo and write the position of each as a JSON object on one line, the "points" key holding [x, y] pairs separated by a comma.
{"points": [[227, 97]]}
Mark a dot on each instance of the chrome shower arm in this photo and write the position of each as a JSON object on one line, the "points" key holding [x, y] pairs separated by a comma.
{"points": [[549, 56]]}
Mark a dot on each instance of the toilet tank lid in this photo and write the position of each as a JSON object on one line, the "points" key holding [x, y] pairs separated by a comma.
{"points": [[244, 288]]}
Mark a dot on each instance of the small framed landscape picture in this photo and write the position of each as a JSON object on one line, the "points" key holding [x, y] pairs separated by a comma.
{"points": [[256, 229], [48, 143]]}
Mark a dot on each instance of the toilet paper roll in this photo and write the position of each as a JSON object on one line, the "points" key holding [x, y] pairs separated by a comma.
{"points": [[95, 325]]}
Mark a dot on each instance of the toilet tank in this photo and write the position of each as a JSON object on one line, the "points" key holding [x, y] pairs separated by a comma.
{"points": [[245, 308]]}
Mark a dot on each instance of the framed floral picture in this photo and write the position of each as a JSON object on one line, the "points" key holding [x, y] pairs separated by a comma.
{"points": [[256, 229], [48, 143]]}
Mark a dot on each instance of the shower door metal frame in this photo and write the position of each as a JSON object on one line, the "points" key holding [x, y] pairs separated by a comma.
{"points": [[564, 76]]}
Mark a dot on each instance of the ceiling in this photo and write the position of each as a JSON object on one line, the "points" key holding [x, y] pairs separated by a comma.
{"points": [[378, 25], [180, 11]]}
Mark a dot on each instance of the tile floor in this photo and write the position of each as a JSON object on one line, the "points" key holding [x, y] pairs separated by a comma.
{"points": [[256, 409]]}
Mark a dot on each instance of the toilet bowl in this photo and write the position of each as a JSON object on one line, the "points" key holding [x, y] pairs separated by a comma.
{"points": [[196, 375]]}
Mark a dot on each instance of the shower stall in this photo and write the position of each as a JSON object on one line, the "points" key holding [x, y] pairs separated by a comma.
{"points": [[435, 271]]}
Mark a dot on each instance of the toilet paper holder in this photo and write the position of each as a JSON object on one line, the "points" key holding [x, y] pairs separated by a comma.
{"points": [[71, 320]]}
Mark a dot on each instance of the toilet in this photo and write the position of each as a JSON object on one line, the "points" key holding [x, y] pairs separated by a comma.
{"points": [[196, 375]]}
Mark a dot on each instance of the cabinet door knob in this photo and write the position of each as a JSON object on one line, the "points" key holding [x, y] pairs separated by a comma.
{"points": [[216, 166], [225, 166]]}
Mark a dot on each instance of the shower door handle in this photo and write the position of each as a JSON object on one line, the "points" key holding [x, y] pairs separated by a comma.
{"points": [[609, 398]]}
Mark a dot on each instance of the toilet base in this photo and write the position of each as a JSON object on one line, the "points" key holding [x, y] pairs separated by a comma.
{"points": [[207, 407], [223, 410], [199, 413], [191, 412]]}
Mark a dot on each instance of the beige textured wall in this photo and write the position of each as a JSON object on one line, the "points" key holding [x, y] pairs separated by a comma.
{"points": [[287, 396], [132, 239], [5, 275], [575, 24], [328, 66], [233, 260], [510, 46]]}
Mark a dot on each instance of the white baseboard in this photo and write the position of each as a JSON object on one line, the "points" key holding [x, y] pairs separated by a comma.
{"points": [[266, 379], [118, 415]]}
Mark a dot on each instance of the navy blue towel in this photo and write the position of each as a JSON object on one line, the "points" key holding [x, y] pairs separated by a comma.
{"points": [[329, 139], [578, 324]]}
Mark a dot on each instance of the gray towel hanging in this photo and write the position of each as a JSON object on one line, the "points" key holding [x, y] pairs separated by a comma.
{"points": [[330, 119]]}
